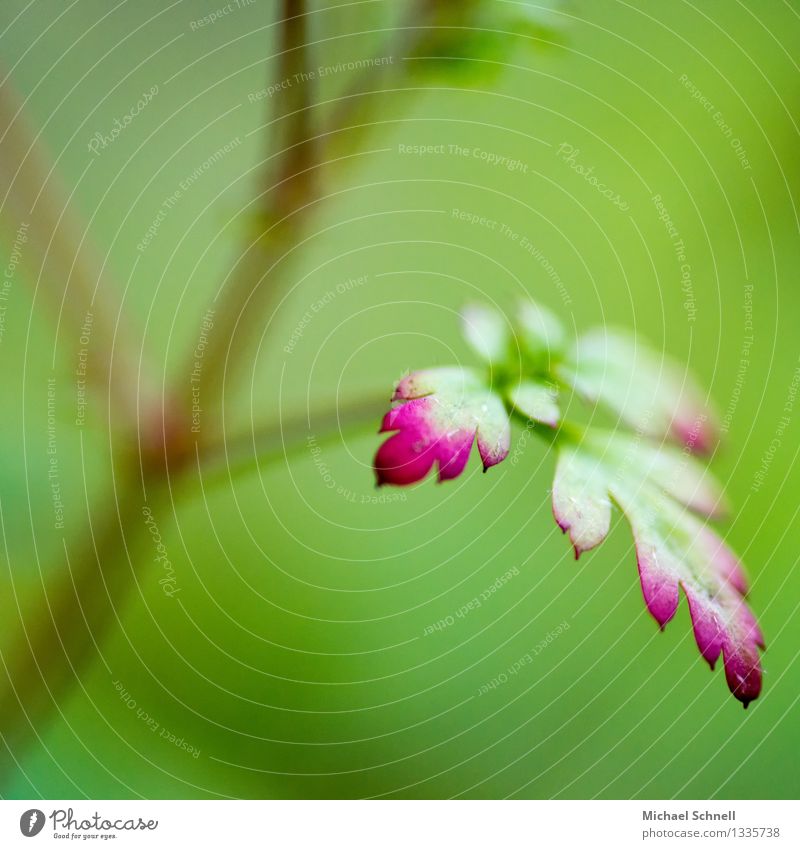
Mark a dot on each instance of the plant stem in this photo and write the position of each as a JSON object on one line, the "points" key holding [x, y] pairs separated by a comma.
{"points": [[288, 191], [291, 197], [72, 614], [231, 457], [51, 656], [65, 271]]}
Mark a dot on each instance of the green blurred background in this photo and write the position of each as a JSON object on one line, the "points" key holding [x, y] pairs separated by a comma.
{"points": [[295, 658]]}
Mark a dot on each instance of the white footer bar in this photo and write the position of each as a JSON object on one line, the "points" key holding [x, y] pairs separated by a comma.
{"points": [[390, 824]]}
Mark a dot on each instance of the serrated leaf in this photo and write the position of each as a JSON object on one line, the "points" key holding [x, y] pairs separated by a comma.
{"points": [[581, 500], [648, 391], [674, 548], [663, 467], [441, 413]]}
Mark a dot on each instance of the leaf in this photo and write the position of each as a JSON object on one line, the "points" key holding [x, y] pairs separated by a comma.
{"points": [[674, 548], [537, 400], [648, 391], [486, 332], [461, 47], [539, 22], [442, 413], [541, 335], [581, 500], [664, 492], [664, 467], [469, 41]]}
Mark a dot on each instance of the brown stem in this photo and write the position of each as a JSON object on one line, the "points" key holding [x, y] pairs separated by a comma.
{"points": [[79, 604], [294, 174], [276, 440], [76, 605], [293, 189], [56, 256], [288, 187]]}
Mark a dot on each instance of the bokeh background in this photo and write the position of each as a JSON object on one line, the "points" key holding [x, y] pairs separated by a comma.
{"points": [[298, 658]]}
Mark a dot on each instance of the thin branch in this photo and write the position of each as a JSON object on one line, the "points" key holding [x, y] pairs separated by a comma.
{"points": [[55, 255], [58, 648], [75, 607], [290, 198], [229, 458], [293, 174], [290, 185]]}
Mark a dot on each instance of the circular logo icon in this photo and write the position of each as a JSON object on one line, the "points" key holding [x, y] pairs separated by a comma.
{"points": [[31, 822]]}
